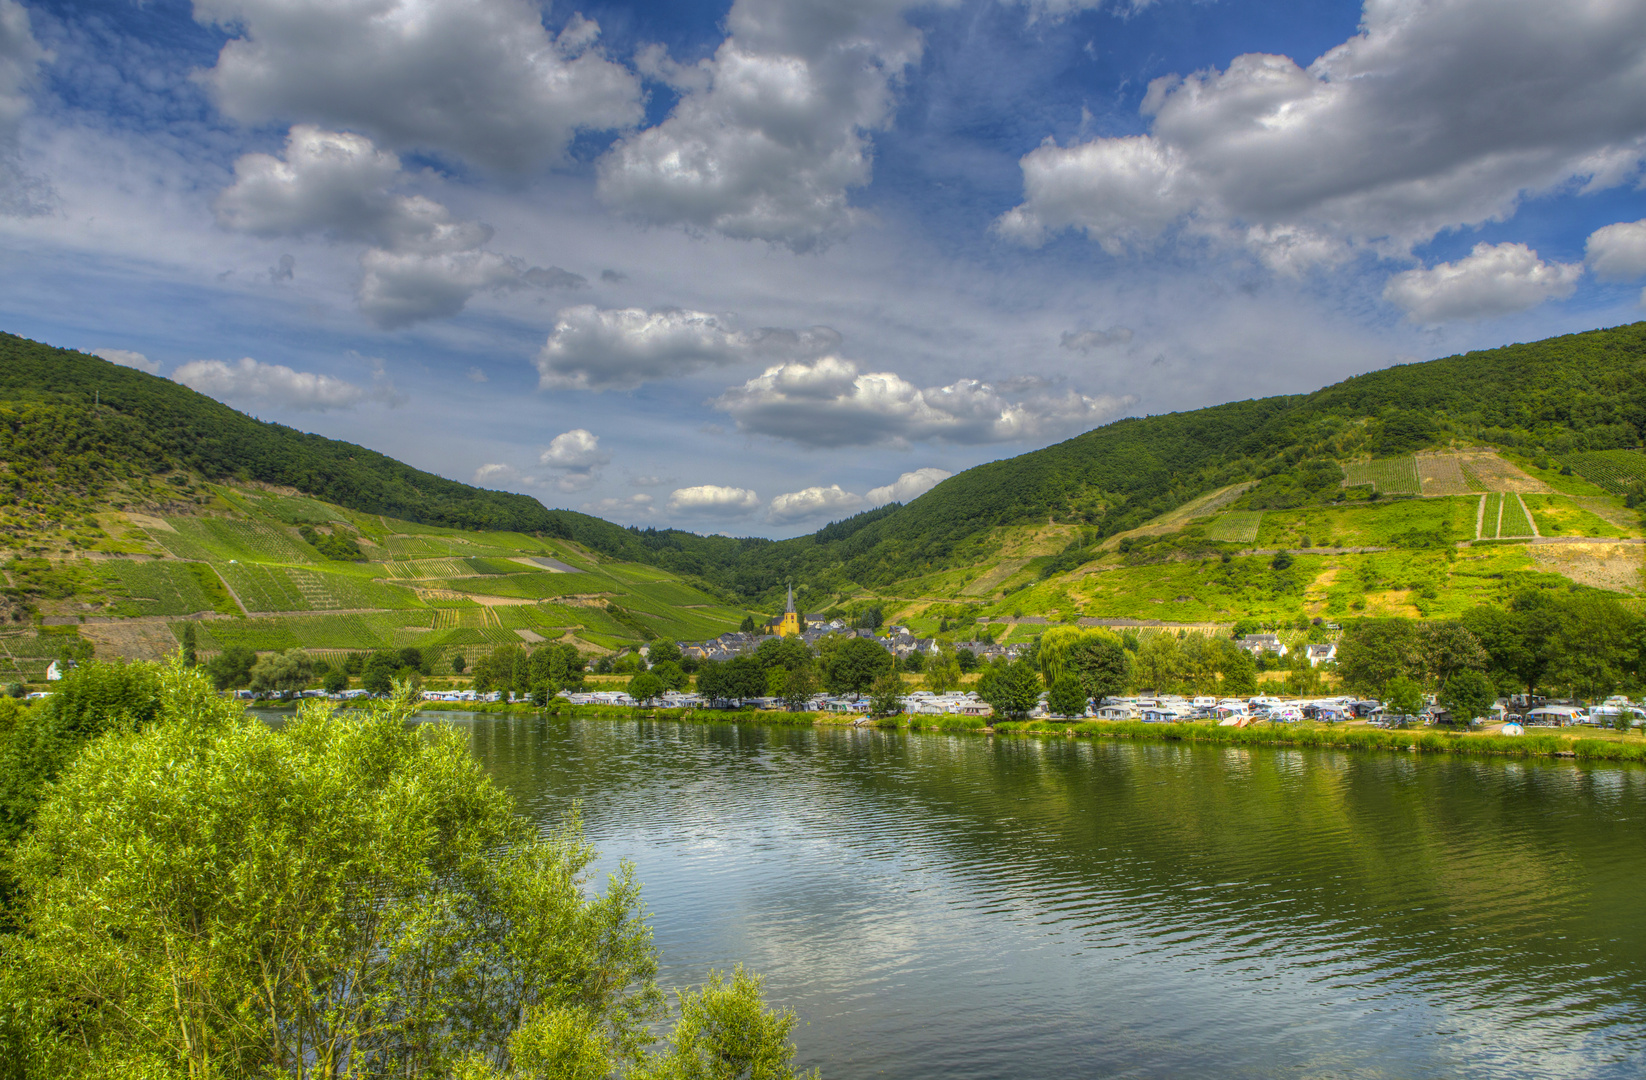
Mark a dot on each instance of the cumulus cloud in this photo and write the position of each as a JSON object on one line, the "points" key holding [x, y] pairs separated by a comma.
{"points": [[493, 473], [812, 502], [909, 486], [713, 500], [481, 80], [771, 132], [603, 349], [1618, 252], [127, 358], [251, 382], [1494, 279], [1437, 114], [421, 263], [829, 402], [577, 457], [1088, 341]]}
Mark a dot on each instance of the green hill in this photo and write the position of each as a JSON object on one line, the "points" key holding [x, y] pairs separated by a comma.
{"points": [[1420, 489]]}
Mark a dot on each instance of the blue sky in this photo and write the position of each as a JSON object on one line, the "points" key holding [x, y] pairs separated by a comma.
{"points": [[751, 267]]}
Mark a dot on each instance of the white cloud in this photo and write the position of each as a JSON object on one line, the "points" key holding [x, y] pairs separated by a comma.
{"points": [[421, 263], [1087, 341], [476, 375], [906, 488], [1492, 280], [600, 349], [577, 457], [127, 358], [632, 507], [812, 502], [1618, 252], [252, 382], [20, 59], [830, 403], [772, 131], [1437, 114], [712, 500], [492, 473], [482, 80]]}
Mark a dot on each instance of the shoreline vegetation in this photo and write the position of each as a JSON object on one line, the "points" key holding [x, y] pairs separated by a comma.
{"points": [[1295, 735]]}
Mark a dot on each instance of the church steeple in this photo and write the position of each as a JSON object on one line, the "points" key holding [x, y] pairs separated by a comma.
{"points": [[790, 625], [789, 609]]}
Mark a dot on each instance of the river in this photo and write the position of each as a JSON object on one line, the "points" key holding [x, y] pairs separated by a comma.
{"points": [[961, 906]]}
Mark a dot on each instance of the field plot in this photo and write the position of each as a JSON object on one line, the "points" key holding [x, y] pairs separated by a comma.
{"points": [[425, 569], [1515, 520], [529, 586], [1492, 518], [1621, 472], [1558, 515], [1604, 566], [1489, 472], [154, 588], [218, 539], [263, 588], [1235, 527], [1389, 476], [1441, 474]]}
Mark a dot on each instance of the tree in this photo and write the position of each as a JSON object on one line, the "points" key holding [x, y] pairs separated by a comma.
{"points": [[458, 663], [378, 675], [1374, 651], [747, 626], [336, 681], [1013, 688], [1447, 648], [789, 653], [798, 686], [189, 644], [282, 673], [966, 659], [1403, 696], [1100, 662], [312, 899], [943, 673], [231, 668], [852, 666], [886, 695], [1467, 695], [662, 651], [915, 662], [1068, 697], [644, 687], [1238, 670], [1158, 665], [670, 676]]}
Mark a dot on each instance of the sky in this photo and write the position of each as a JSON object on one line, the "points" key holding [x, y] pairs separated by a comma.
{"points": [[748, 268]]}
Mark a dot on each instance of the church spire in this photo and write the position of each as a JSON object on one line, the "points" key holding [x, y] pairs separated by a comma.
{"points": [[790, 608]]}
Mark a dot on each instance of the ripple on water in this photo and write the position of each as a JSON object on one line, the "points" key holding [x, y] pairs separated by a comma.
{"points": [[979, 908]]}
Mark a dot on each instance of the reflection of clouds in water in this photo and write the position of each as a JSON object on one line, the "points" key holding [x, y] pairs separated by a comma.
{"points": [[1225, 911]]}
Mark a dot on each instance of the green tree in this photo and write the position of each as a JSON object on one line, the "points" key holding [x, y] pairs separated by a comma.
{"points": [[231, 668], [725, 1031], [215, 897], [852, 666], [914, 663], [645, 687], [1374, 651], [1013, 688], [886, 695], [458, 663], [1158, 666], [798, 686], [378, 675], [1403, 696], [1467, 695], [189, 644], [1068, 697], [282, 673], [669, 674], [1100, 662], [943, 673], [967, 659], [1238, 670], [336, 681], [662, 651]]}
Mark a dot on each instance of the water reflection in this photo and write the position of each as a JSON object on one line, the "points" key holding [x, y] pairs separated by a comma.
{"points": [[972, 907]]}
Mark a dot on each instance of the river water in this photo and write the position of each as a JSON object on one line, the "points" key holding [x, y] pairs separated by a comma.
{"points": [[961, 906]]}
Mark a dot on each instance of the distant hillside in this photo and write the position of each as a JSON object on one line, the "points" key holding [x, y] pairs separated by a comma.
{"points": [[54, 436]]}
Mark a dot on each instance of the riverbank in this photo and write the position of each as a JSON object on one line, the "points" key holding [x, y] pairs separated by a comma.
{"points": [[1324, 736]]}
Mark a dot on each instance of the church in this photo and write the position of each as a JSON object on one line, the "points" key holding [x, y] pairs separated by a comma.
{"points": [[791, 625]]}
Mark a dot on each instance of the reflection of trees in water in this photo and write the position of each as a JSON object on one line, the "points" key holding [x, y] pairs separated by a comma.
{"points": [[1456, 872]]}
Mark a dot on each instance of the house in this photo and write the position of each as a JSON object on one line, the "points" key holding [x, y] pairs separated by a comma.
{"points": [[1257, 644], [1321, 654], [58, 668]]}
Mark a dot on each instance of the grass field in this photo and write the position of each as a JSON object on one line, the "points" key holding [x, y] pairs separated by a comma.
{"points": [[1388, 476], [1515, 521], [1558, 515]]}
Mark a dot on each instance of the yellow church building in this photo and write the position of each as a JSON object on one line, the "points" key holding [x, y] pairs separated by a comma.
{"points": [[790, 625]]}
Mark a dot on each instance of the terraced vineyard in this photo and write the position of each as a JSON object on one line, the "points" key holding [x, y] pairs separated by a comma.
{"points": [[1515, 520], [1621, 472], [1388, 476], [1492, 517], [1235, 527]]}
